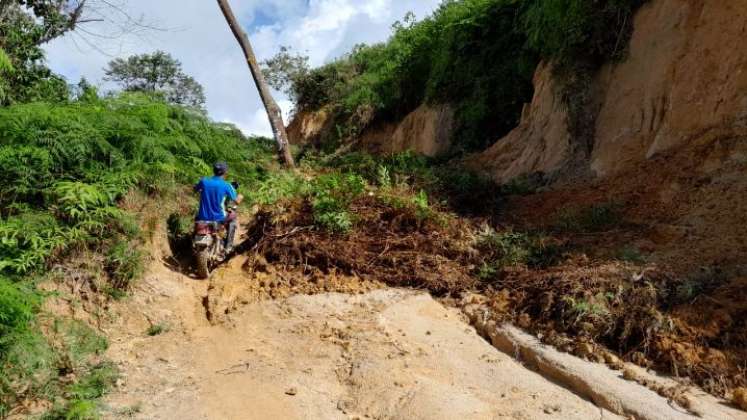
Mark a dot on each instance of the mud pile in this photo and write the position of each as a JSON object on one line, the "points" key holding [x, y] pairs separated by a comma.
{"points": [[578, 301], [389, 245]]}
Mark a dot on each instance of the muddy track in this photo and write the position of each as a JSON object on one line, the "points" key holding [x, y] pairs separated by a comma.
{"points": [[385, 353], [230, 351]]}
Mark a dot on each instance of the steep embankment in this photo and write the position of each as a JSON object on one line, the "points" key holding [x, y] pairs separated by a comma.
{"points": [[681, 85], [428, 131], [645, 163], [663, 135], [669, 135]]}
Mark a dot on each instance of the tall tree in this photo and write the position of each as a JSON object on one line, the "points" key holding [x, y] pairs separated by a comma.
{"points": [[26, 25], [158, 73], [273, 110]]}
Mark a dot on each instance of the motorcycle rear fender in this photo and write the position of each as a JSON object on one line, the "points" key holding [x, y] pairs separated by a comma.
{"points": [[202, 241]]}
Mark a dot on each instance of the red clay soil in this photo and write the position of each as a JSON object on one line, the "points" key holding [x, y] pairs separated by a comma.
{"points": [[686, 213], [388, 245], [686, 210]]}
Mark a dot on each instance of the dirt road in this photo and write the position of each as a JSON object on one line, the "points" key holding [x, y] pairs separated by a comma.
{"points": [[387, 354]]}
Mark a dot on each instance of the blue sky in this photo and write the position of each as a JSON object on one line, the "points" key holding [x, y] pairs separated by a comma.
{"points": [[195, 32]]}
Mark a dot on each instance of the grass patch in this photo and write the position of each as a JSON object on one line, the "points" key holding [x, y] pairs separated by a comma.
{"points": [[81, 398], [125, 264], [630, 254], [509, 249], [596, 218], [157, 329]]}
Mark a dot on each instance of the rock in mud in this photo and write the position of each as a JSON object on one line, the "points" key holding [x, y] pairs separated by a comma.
{"points": [[740, 398]]}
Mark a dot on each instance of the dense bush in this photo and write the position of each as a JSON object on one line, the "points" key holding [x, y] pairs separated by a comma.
{"points": [[572, 30], [64, 168], [505, 249], [331, 195], [478, 55]]}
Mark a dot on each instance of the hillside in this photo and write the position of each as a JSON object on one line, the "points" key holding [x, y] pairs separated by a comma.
{"points": [[632, 159]]}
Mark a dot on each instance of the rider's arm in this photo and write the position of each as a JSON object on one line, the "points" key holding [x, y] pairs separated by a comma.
{"points": [[198, 186], [233, 195]]}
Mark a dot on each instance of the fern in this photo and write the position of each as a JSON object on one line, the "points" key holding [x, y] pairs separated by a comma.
{"points": [[28, 240], [6, 67], [5, 64]]}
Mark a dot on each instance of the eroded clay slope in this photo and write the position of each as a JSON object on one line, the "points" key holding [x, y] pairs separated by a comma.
{"points": [[683, 82]]}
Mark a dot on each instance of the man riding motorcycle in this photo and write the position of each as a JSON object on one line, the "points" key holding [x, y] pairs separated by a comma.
{"points": [[215, 195]]}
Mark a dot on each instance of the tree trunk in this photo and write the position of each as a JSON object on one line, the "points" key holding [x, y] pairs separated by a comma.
{"points": [[273, 110]]}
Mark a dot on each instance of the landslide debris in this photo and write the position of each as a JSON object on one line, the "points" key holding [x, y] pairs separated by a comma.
{"points": [[577, 300]]}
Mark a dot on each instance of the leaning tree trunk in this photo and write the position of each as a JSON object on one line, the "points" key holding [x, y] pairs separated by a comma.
{"points": [[273, 110]]}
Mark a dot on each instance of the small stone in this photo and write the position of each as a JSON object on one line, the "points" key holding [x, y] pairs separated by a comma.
{"points": [[611, 359], [630, 375], [740, 398], [291, 391], [525, 321], [345, 406]]}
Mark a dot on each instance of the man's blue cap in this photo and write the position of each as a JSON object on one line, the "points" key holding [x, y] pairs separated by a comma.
{"points": [[220, 168]]}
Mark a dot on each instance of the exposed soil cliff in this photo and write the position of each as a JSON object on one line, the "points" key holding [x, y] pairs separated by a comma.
{"points": [[541, 142], [682, 83], [427, 130], [310, 127]]}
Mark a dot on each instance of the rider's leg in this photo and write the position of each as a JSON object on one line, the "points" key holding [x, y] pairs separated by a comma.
{"points": [[232, 225]]}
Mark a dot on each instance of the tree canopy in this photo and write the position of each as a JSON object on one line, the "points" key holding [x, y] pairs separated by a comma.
{"points": [[157, 73], [24, 26]]}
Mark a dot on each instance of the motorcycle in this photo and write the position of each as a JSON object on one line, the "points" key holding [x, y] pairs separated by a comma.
{"points": [[208, 242]]}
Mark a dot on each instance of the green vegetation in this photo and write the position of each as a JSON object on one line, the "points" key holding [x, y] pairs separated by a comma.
{"points": [[631, 254], [595, 218], [61, 366], [159, 74], [507, 249], [331, 195], [157, 329], [478, 55], [463, 190], [590, 309], [81, 398], [24, 27], [65, 167]]}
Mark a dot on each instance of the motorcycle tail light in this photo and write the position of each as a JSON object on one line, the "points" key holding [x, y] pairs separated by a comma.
{"points": [[202, 228]]}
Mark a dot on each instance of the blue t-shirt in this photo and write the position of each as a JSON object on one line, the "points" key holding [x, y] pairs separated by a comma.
{"points": [[214, 192]]}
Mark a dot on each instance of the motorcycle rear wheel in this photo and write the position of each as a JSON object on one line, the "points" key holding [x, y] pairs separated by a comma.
{"points": [[203, 264]]}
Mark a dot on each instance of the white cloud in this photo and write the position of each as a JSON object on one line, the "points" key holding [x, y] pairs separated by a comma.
{"points": [[322, 29]]}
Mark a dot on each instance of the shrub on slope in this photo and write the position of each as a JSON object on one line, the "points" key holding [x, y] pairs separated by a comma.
{"points": [[478, 55]]}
